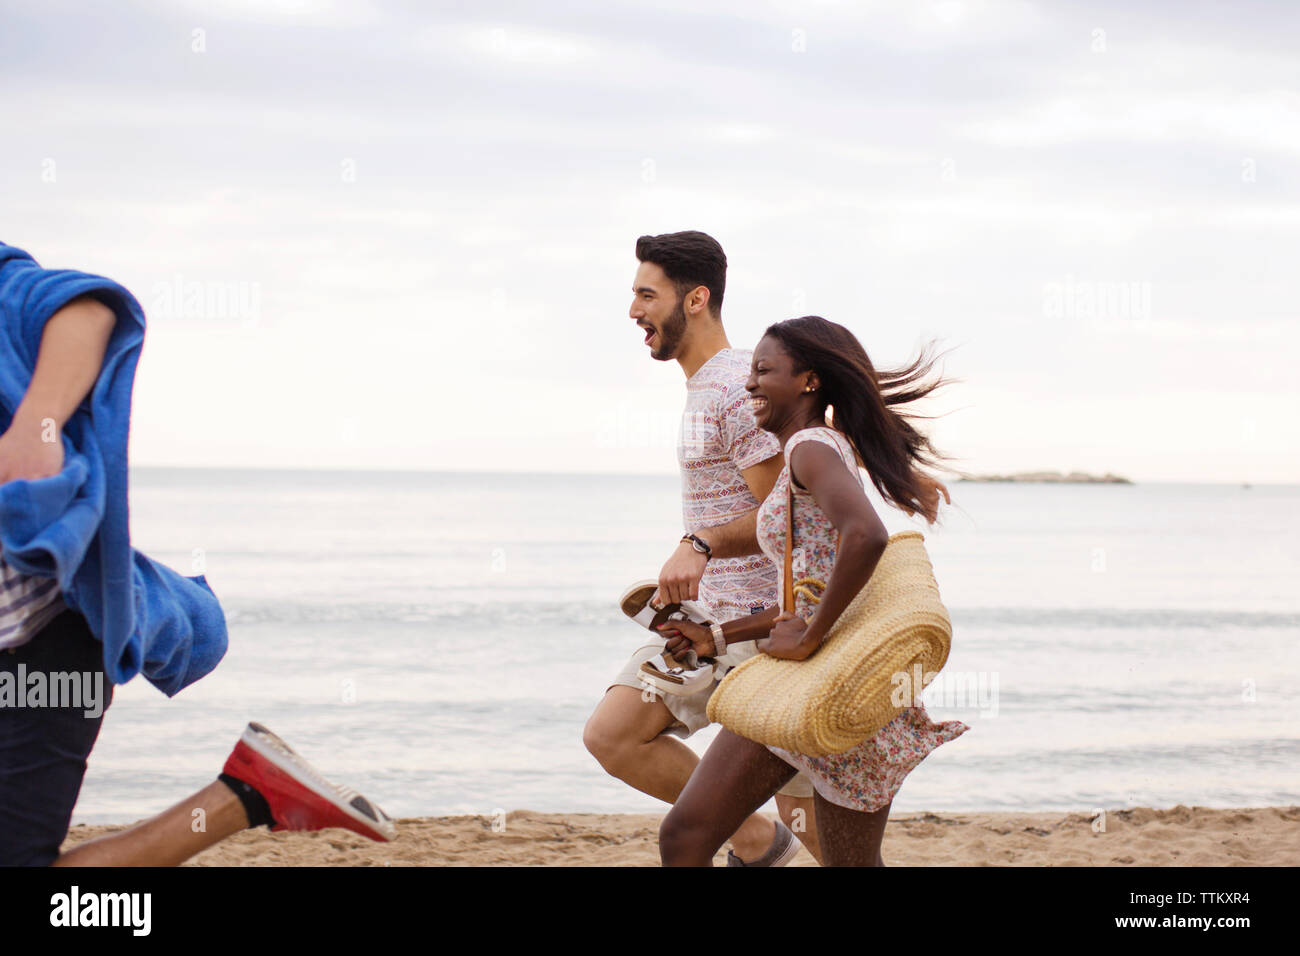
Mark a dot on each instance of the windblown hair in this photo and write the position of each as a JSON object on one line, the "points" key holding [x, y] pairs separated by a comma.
{"points": [[689, 260], [864, 401]]}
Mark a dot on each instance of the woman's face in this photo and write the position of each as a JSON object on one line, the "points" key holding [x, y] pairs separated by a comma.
{"points": [[776, 392]]}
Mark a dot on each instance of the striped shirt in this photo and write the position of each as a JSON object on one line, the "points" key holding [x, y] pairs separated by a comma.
{"points": [[27, 604]]}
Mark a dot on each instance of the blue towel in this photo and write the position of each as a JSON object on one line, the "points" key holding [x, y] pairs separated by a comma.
{"points": [[73, 526]]}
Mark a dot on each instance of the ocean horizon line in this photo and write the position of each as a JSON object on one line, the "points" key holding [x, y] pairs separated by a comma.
{"points": [[666, 473]]}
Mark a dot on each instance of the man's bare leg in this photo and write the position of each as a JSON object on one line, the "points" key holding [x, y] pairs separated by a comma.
{"points": [[800, 815], [625, 733], [170, 838]]}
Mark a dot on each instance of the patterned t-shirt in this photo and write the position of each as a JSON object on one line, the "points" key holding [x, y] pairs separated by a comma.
{"points": [[719, 439]]}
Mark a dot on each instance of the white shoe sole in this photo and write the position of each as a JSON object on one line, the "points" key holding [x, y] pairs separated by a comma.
{"points": [[275, 751]]}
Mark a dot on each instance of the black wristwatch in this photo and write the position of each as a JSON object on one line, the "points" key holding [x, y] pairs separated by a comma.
{"points": [[699, 544]]}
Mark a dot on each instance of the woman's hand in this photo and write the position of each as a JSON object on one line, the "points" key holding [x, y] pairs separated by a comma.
{"points": [[789, 640], [686, 636], [931, 490]]}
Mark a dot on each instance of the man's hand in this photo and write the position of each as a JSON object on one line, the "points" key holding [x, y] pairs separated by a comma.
{"points": [[789, 639], [679, 579], [25, 455]]}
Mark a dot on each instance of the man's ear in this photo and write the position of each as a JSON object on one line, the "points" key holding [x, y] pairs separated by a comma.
{"points": [[697, 300]]}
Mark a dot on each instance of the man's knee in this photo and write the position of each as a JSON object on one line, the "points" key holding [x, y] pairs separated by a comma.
{"points": [[610, 740], [620, 726], [43, 750], [601, 741], [39, 784]]}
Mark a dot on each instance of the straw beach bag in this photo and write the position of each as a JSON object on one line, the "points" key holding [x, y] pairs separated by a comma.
{"points": [[844, 693]]}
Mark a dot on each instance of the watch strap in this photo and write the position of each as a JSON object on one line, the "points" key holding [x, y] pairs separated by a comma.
{"points": [[719, 639], [699, 544]]}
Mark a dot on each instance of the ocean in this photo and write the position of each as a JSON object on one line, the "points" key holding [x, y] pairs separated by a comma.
{"points": [[438, 640]]}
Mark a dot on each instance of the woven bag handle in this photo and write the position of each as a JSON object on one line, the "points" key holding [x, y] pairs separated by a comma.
{"points": [[790, 583], [789, 543]]}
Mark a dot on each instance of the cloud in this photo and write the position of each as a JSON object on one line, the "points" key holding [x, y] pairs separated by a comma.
{"points": [[337, 14], [1247, 121], [437, 202]]}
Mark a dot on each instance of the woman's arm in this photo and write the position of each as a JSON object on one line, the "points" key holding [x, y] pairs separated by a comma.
{"points": [[686, 635], [816, 466]]}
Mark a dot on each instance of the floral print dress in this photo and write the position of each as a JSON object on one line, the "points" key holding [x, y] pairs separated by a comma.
{"points": [[867, 777]]}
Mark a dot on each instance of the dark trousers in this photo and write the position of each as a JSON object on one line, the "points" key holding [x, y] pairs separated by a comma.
{"points": [[43, 749]]}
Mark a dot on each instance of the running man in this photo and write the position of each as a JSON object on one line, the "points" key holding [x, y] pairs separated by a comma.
{"points": [[728, 466], [79, 604]]}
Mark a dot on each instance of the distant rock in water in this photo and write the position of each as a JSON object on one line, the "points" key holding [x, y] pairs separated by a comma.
{"points": [[1074, 477]]}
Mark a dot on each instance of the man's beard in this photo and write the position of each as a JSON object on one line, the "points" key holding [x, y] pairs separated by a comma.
{"points": [[671, 334]]}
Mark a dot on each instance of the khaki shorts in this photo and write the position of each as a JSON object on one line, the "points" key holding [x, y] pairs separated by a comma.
{"points": [[690, 713]]}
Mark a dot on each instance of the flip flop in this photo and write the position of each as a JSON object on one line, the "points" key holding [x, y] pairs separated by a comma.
{"points": [[663, 673], [681, 679], [635, 603]]}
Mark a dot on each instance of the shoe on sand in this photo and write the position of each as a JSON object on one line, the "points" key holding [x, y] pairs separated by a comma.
{"points": [[681, 679], [299, 797], [635, 603], [784, 848]]}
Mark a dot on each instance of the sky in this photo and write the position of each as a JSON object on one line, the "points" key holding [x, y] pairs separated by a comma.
{"points": [[400, 235]]}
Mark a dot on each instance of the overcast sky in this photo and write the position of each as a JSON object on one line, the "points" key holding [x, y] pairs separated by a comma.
{"points": [[400, 235]]}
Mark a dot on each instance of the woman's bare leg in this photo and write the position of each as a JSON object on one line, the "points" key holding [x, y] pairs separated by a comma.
{"points": [[850, 837], [735, 777], [626, 734]]}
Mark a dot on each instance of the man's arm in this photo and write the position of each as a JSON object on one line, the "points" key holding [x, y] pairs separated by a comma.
{"points": [[679, 580], [72, 352], [737, 538]]}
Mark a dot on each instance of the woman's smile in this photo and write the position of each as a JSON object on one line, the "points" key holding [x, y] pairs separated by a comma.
{"points": [[760, 406]]}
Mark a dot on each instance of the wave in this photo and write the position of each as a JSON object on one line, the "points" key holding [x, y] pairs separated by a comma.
{"points": [[479, 615], [488, 613], [1122, 618]]}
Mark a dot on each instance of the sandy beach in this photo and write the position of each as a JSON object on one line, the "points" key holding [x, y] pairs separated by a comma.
{"points": [[1180, 836]]}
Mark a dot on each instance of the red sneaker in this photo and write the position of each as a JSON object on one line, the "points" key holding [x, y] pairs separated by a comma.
{"points": [[299, 797]]}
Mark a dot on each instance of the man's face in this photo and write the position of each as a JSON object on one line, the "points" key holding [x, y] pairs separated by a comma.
{"points": [[658, 310]]}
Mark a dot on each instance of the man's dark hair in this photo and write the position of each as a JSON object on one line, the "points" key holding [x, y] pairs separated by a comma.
{"points": [[689, 259]]}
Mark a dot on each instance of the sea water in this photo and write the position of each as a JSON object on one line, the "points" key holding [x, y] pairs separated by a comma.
{"points": [[438, 640]]}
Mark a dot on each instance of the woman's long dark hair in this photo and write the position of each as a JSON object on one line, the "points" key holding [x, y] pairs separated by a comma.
{"points": [[863, 402]]}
